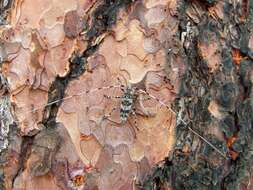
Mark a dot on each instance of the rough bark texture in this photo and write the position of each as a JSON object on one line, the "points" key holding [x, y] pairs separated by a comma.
{"points": [[190, 63]]}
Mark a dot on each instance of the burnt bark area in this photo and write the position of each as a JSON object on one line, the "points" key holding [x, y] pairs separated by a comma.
{"points": [[194, 164], [5, 7]]}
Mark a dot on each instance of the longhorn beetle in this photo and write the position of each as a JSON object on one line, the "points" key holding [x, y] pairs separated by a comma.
{"points": [[128, 100], [127, 107]]}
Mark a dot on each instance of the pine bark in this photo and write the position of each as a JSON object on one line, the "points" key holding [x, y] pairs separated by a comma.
{"points": [[189, 62]]}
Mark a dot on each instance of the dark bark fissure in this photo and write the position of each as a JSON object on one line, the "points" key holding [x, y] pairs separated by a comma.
{"points": [[103, 17], [25, 152], [5, 7], [194, 164]]}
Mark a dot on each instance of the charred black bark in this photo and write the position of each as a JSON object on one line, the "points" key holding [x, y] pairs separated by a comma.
{"points": [[194, 164], [5, 7]]}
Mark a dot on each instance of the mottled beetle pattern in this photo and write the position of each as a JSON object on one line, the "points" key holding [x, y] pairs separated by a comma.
{"points": [[126, 103], [127, 106], [128, 99]]}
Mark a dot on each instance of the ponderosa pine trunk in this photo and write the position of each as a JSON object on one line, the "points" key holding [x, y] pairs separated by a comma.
{"points": [[180, 72]]}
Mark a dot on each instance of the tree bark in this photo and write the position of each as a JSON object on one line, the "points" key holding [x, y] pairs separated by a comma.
{"points": [[126, 94]]}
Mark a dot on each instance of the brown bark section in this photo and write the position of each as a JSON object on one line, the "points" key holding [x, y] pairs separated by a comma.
{"points": [[62, 58]]}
